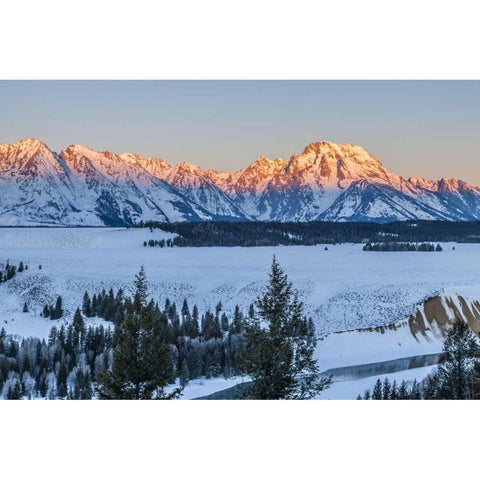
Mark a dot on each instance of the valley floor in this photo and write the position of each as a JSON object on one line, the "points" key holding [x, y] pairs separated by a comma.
{"points": [[343, 287]]}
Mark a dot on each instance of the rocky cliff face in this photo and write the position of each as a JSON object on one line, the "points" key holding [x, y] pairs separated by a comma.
{"points": [[438, 313]]}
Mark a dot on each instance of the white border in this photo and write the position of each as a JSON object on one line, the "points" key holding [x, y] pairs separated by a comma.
{"points": [[375, 39], [217, 40]]}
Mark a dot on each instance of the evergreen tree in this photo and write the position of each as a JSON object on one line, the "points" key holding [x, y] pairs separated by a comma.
{"points": [[237, 326], [377, 393], [415, 392], [195, 329], [142, 363], [394, 391], [78, 322], [278, 355], [141, 289], [224, 323], [184, 373], [403, 391], [456, 371], [94, 306], [25, 307], [431, 386], [57, 312], [14, 391], [185, 309], [387, 389], [87, 305]]}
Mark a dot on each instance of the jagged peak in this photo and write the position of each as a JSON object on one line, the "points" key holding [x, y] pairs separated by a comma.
{"points": [[81, 150], [316, 146], [263, 161], [322, 146], [451, 181], [445, 184], [454, 185], [423, 182], [134, 157], [186, 166], [27, 144], [32, 142]]}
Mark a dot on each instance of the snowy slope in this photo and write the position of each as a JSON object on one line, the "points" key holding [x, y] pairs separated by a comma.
{"points": [[121, 192], [196, 185]]}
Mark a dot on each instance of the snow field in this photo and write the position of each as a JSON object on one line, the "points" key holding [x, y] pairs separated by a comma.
{"points": [[343, 288]]}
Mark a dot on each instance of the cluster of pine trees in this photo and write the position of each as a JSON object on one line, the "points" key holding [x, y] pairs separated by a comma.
{"points": [[54, 312], [158, 243], [388, 390], [402, 247], [8, 271], [152, 347], [208, 344], [203, 345], [278, 354], [67, 365], [107, 305], [457, 376]]}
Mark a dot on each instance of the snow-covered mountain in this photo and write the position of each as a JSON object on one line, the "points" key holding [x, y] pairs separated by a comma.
{"points": [[343, 182], [83, 187], [327, 181]]}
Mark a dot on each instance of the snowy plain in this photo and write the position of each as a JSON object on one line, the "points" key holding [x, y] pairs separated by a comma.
{"points": [[343, 288]]}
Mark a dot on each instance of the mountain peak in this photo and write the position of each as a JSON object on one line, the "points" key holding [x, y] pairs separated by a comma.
{"points": [[28, 146], [186, 166], [264, 162], [26, 149], [34, 142], [318, 146], [79, 150]]}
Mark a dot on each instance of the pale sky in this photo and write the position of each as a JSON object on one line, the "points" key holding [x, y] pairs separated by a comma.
{"points": [[416, 128]]}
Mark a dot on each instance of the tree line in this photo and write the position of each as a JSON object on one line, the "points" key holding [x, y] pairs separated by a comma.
{"points": [[250, 234], [402, 247]]}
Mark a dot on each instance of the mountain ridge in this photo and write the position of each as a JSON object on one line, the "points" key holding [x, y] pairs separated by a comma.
{"points": [[327, 181]]}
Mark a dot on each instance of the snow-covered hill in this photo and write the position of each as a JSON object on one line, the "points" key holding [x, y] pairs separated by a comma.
{"points": [[327, 181]]}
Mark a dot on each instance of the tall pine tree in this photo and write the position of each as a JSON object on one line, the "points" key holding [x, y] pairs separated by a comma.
{"points": [[458, 363], [279, 353], [142, 362]]}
